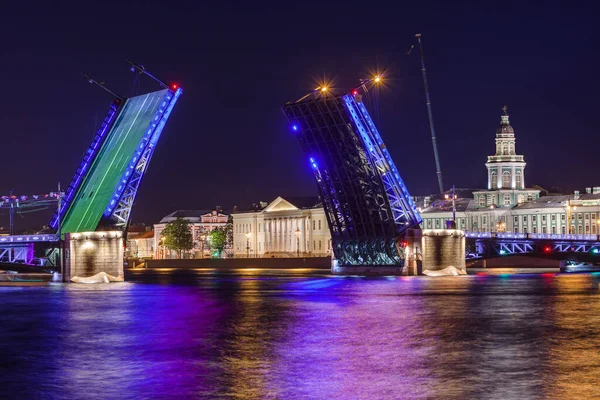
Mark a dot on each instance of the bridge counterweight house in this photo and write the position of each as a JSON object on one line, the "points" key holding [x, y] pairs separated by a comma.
{"points": [[367, 206], [103, 190]]}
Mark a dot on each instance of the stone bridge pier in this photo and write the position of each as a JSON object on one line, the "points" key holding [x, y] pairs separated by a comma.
{"points": [[433, 250], [89, 253]]}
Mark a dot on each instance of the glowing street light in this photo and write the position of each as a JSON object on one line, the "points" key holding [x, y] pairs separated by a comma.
{"points": [[377, 78], [324, 89]]}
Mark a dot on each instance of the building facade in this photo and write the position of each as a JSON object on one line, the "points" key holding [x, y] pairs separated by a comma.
{"points": [[507, 205], [293, 227], [201, 222]]}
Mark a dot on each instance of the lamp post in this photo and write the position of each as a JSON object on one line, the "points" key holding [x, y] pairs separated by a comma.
{"points": [[202, 239], [248, 235], [446, 196], [297, 242]]}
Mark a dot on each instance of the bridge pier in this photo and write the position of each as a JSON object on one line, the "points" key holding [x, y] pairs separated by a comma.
{"points": [[443, 248], [430, 249], [89, 253]]}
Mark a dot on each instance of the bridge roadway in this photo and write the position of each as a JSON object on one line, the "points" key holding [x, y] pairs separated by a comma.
{"points": [[507, 243], [111, 163]]}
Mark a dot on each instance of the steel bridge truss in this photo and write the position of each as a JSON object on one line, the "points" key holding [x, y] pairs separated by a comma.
{"points": [[366, 203], [119, 208]]}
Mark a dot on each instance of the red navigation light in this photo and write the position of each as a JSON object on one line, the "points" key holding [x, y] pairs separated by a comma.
{"points": [[174, 86], [354, 92], [404, 243], [547, 249]]}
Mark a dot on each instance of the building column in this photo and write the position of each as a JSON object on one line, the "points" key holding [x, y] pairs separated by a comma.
{"points": [[303, 235], [513, 177], [489, 179]]}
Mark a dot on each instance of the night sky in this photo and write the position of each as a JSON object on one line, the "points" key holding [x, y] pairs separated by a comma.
{"points": [[227, 142]]}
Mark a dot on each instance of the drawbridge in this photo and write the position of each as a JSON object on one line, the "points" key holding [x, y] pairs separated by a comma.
{"points": [[368, 208], [103, 191]]}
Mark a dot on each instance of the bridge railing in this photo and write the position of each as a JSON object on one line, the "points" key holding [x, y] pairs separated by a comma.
{"points": [[533, 236], [28, 238]]}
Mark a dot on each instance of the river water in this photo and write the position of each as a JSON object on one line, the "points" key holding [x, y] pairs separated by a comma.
{"points": [[303, 334]]}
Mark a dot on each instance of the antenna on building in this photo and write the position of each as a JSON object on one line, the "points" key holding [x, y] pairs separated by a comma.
{"points": [[430, 113]]}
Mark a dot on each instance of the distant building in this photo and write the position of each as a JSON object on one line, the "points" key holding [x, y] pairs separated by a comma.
{"points": [[140, 245], [201, 222], [290, 227], [507, 205]]}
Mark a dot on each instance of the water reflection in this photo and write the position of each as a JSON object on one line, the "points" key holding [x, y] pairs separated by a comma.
{"points": [[273, 334]]}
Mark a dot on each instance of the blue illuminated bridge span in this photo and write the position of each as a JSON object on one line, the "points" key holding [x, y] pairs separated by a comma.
{"points": [[104, 188], [368, 208]]}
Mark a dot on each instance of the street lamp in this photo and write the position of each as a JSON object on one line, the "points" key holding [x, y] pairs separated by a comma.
{"points": [[297, 242], [202, 239], [248, 235]]}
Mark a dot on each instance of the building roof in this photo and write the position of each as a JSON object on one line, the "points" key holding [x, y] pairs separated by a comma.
{"points": [[145, 235], [559, 201], [446, 206], [298, 202], [190, 215]]}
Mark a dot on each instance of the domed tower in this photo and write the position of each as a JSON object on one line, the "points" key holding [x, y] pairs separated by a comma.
{"points": [[505, 168], [506, 171]]}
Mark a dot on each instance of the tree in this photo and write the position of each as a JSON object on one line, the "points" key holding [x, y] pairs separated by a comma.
{"points": [[229, 233], [217, 239], [178, 236]]}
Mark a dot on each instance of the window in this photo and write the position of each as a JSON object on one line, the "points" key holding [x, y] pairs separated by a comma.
{"points": [[579, 217], [553, 217], [587, 216], [507, 199], [314, 244], [314, 222], [429, 223], [516, 219], [562, 217], [519, 180], [543, 229], [530, 197], [319, 245], [462, 223], [534, 218], [543, 219], [524, 219], [319, 224], [594, 216], [505, 148], [594, 228], [563, 230], [580, 230], [506, 180], [587, 229], [553, 229], [258, 228], [494, 180], [481, 200], [525, 230], [534, 229]]}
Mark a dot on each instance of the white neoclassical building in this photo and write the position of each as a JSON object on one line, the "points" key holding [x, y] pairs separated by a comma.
{"points": [[291, 227], [507, 205]]}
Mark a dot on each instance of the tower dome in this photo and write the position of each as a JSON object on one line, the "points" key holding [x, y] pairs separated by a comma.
{"points": [[505, 127]]}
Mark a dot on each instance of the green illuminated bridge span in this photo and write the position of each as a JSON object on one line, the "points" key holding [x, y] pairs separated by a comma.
{"points": [[104, 188]]}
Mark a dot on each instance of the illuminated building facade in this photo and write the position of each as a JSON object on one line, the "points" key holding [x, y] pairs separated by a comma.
{"points": [[292, 227], [201, 222], [508, 206]]}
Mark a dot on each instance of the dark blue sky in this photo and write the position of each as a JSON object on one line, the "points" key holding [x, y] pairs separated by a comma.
{"points": [[227, 142]]}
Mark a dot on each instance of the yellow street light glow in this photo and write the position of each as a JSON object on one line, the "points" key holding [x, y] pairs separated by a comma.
{"points": [[324, 89], [378, 79]]}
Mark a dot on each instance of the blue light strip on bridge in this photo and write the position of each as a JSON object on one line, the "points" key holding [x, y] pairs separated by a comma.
{"points": [[90, 154]]}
